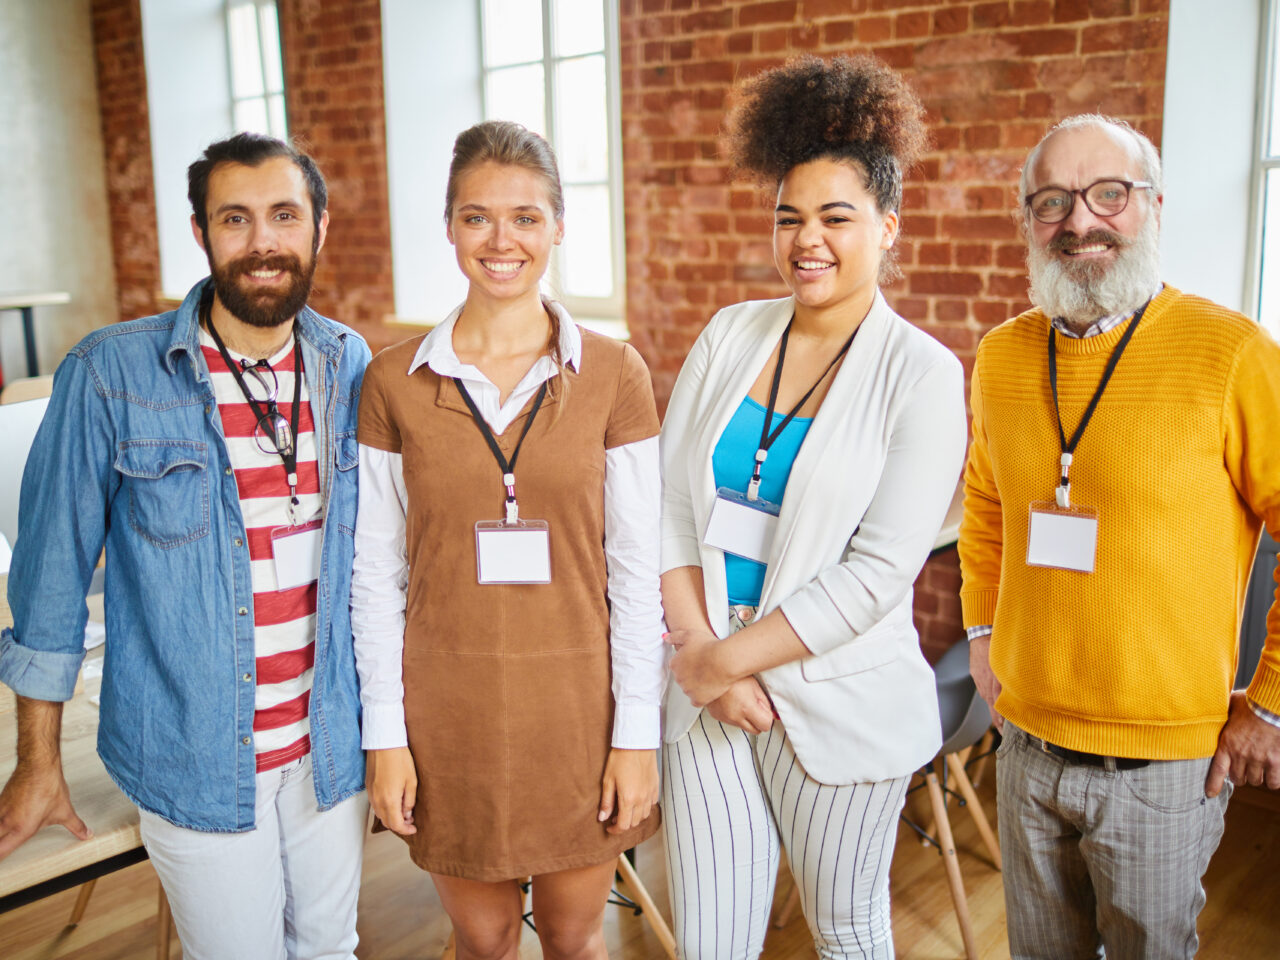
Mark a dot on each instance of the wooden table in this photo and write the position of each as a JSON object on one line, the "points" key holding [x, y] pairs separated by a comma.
{"points": [[53, 860], [26, 303]]}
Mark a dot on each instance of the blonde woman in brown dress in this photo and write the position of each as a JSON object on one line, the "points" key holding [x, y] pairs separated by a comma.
{"points": [[505, 595]]}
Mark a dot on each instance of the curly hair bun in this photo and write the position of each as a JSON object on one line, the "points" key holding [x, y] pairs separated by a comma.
{"points": [[848, 107]]}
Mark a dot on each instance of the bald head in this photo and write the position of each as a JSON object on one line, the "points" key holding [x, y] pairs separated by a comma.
{"points": [[1086, 131]]}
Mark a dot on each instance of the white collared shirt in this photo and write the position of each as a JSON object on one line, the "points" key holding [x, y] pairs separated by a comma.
{"points": [[380, 576]]}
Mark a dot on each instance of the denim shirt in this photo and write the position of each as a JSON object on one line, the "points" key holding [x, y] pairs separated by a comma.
{"points": [[131, 453]]}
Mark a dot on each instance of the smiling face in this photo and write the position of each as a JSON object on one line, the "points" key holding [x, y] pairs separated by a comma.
{"points": [[1089, 266], [829, 237], [260, 242], [502, 228]]}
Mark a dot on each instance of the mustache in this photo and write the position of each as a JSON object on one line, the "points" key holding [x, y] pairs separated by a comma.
{"points": [[286, 262], [1067, 242]]}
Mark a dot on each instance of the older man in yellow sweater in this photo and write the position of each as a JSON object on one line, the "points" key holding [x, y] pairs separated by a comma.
{"points": [[1126, 452]]}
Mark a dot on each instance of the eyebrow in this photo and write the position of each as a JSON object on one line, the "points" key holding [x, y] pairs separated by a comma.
{"points": [[483, 209], [238, 207], [784, 208]]}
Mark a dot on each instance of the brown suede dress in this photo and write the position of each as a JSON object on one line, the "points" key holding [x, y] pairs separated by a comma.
{"points": [[507, 687]]}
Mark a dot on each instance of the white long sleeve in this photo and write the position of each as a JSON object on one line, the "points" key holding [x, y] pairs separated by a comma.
{"points": [[379, 580], [632, 500]]}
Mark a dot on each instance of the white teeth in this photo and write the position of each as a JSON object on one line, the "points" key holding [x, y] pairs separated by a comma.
{"points": [[1091, 248], [812, 264], [264, 274], [504, 266]]}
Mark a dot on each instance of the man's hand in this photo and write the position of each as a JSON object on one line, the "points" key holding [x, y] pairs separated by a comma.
{"points": [[980, 670], [629, 785], [36, 796], [1248, 750], [743, 705], [697, 666], [392, 782]]}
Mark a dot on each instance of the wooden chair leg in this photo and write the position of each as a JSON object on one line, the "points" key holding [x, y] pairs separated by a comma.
{"points": [[975, 809], [82, 901], [788, 907], [450, 949], [164, 925], [984, 754], [647, 906], [954, 880]]}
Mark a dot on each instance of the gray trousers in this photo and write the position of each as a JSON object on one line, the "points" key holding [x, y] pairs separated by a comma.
{"points": [[1096, 857]]}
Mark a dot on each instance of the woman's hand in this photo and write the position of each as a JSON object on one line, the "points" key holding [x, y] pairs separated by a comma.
{"points": [[392, 782], [697, 665], [630, 785], [744, 705]]}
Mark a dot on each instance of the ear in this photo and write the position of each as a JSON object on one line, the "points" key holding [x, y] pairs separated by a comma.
{"points": [[324, 231], [197, 233], [559, 232], [889, 225], [448, 231]]}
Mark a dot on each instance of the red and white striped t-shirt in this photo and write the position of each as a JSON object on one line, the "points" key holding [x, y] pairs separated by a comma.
{"points": [[284, 621]]}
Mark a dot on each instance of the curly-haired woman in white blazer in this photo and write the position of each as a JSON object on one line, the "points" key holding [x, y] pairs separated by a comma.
{"points": [[809, 452]]}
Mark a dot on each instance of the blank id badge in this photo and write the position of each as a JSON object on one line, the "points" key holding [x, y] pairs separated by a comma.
{"points": [[1064, 538], [518, 552], [296, 554], [742, 527]]}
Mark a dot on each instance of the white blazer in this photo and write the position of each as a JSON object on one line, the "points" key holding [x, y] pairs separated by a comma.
{"points": [[863, 505]]}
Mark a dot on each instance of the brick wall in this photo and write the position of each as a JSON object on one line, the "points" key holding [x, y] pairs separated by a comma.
{"points": [[126, 141], [333, 85], [993, 76]]}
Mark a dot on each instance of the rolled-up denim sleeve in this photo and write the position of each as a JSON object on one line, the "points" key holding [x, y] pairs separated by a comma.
{"points": [[67, 486]]}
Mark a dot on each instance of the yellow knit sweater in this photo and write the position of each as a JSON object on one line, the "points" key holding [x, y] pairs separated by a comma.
{"points": [[1181, 461]]}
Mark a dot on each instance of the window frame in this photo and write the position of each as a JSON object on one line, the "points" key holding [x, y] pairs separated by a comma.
{"points": [[267, 92], [611, 309]]}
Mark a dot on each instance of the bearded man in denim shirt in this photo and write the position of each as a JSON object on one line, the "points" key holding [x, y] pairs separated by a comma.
{"points": [[212, 450]]}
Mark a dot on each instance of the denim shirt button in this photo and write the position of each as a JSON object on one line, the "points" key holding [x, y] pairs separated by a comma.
{"points": [[227, 471], [243, 611], [245, 741], [248, 677], [208, 408], [239, 542]]}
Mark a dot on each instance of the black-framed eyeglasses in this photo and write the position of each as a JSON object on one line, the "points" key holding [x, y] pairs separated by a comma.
{"points": [[1105, 198], [273, 434]]}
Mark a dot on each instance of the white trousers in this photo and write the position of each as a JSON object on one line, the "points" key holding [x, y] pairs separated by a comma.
{"points": [[285, 890], [729, 800]]}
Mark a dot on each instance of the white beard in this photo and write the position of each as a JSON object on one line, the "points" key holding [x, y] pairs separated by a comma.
{"points": [[1081, 293]]}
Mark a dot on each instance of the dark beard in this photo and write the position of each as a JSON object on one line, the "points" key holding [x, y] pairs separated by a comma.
{"points": [[263, 308]]}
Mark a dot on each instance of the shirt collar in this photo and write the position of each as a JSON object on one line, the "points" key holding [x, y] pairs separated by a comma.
{"points": [[1102, 324], [436, 349]]}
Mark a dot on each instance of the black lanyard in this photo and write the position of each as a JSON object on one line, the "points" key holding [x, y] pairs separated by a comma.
{"points": [[508, 466], [286, 446], [1069, 448], [768, 437]]}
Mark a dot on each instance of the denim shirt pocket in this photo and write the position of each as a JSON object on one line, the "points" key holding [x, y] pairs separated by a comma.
{"points": [[346, 459], [167, 482]]}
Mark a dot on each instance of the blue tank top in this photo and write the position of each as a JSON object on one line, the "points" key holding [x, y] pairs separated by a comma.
{"points": [[731, 464]]}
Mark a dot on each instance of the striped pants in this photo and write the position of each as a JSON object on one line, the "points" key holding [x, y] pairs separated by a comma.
{"points": [[729, 801]]}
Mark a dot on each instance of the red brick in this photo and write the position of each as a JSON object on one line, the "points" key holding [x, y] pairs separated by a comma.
{"points": [[706, 21], [907, 26], [713, 71], [1069, 11], [945, 283], [951, 20], [772, 11], [990, 15], [1001, 285], [1041, 43], [911, 308], [1099, 9], [874, 29], [983, 137], [1031, 13], [952, 311], [972, 254], [741, 42], [934, 254], [991, 227], [838, 32]]}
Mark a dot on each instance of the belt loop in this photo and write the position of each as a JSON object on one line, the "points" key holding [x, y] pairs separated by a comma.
{"points": [[1109, 764]]}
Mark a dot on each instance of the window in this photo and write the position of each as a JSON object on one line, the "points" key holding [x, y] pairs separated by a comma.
{"points": [[552, 66], [257, 76], [1264, 282]]}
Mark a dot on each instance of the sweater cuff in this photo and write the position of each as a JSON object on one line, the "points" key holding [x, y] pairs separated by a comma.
{"points": [[978, 607], [1264, 690]]}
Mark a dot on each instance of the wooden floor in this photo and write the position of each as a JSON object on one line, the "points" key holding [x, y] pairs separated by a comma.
{"points": [[401, 919]]}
